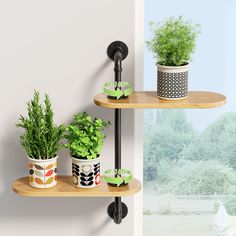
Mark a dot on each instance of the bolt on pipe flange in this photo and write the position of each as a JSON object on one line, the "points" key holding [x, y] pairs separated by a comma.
{"points": [[117, 46], [117, 216]]}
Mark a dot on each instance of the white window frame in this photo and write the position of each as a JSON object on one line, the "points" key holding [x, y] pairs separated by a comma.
{"points": [[138, 114]]}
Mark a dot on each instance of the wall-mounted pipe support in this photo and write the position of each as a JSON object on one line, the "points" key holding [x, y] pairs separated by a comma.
{"points": [[117, 51]]}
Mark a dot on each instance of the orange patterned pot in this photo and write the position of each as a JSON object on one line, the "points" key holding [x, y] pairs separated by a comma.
{"points": [[43, 173]]}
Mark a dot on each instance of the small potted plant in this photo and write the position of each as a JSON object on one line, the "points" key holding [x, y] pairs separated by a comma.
{"points": [[173, 44], [85, 140], [41, 140]]}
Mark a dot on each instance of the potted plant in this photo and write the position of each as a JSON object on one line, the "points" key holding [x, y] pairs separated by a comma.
{"points": [[41, 140], [85, 140], [173, 44]]}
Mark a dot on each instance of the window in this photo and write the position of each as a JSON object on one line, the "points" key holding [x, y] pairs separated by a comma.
{"points": [[190, 155]]}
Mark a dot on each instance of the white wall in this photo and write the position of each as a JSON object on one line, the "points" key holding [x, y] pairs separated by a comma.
{"points": [[59, 47]]}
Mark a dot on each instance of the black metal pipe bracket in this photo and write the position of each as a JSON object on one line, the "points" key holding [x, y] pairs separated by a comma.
{"points": [[117, 51], [117, 47], [117, 214]]}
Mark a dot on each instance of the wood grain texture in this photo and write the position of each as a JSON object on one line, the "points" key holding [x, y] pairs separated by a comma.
{"points": [[195, 99], [64, 188]]}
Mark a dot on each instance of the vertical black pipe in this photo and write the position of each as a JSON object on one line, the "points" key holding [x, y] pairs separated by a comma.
{"points": [[118, 66], [117, 139], [117, 51], [118, 210], [118, 69]]}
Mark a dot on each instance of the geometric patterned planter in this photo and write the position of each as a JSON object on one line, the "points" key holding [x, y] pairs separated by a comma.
{"points": [[43, 173], [172, 82], [86, 173]]}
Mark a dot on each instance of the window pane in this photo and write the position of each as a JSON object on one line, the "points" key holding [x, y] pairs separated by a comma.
{"points": [[190, 155]]}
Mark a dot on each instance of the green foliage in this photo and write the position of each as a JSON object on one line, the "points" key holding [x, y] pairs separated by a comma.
{"points": [[42, 137], [179, 160], [221, 136], [147, 212], [85, 136], [195, 178], [165, 211], [174, 41], [167, 133], [217, 142]]}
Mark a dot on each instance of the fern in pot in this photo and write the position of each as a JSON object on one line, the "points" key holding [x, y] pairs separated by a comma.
{"points": [[173, 43], [85, 139], [41, 140]]}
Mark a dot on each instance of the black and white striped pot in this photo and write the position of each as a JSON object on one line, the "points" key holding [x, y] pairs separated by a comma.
{"points": [[86, 173], [172, 82]]}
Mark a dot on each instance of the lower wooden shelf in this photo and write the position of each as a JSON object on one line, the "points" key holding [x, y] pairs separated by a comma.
{"points": [[64, 188]]}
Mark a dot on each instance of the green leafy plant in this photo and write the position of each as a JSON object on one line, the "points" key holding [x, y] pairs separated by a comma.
{"points": [[173, 41], [42, 137], [85, 136]]}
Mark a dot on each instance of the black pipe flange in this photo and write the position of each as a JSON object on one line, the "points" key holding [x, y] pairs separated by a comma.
{"points": [[117, 216], [117, 46]]}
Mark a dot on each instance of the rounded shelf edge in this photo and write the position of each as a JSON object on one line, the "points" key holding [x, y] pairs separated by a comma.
{"points": [[64, 188], [149, 99]]}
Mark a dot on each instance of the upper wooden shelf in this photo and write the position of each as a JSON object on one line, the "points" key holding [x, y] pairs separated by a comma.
{"points": [[64, 188], [195, 99]]}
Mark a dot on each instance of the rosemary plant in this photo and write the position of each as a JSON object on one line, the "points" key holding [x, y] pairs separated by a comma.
{"points": [[42, 138]]}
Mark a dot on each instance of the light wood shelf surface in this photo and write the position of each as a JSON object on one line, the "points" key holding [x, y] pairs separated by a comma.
{"points": [[64, 188], [195, 99]]}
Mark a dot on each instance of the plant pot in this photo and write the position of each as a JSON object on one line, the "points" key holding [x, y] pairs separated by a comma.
{"points": [[172, 82], [86, 173], [43, 173]]}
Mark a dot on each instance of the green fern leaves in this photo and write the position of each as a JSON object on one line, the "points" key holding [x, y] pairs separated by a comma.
{"points": [[174, 41]]}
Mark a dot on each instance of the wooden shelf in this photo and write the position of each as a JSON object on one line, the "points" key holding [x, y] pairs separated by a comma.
{"points": [[64, 188], [195, 99]]}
